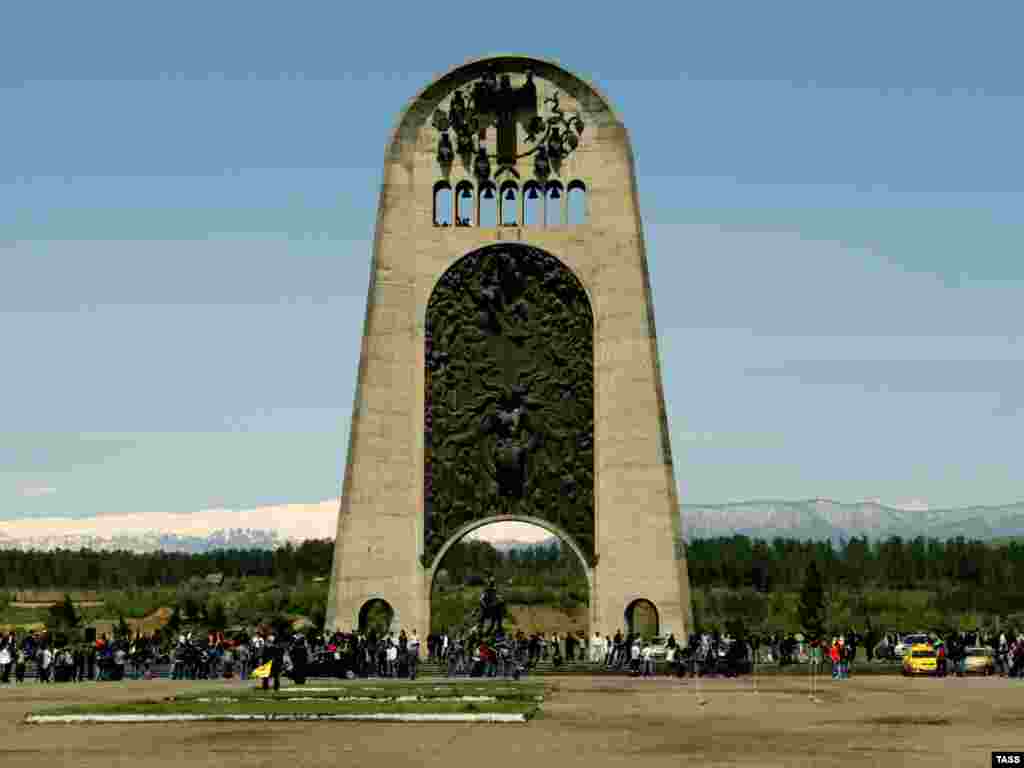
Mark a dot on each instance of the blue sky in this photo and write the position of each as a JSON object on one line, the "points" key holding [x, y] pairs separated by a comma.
{"points": [[832, 202]]}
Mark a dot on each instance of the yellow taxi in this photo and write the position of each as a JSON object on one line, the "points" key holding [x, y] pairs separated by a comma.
{"points": [[921, 660]]}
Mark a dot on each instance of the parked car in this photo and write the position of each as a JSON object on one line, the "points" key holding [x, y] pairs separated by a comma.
{"points": [[329, 664], [980, 661], [883, 651], [921, 660], [906, 642]]}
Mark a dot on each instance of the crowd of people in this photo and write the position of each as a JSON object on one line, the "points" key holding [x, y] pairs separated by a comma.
{"points": [[382, 654]]}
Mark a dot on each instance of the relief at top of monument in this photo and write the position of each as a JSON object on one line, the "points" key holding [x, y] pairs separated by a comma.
{"points": [[509, 395], [526, 123]]}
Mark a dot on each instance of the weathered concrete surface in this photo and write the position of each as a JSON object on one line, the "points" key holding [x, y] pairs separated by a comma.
{"points": [[380, 526], [888, 722]]}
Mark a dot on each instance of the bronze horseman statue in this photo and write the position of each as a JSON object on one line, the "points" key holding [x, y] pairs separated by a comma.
{"points": [[492, 608]]}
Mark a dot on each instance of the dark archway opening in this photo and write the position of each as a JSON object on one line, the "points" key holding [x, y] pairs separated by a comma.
{"points": [[642, 619], [376, 616]]}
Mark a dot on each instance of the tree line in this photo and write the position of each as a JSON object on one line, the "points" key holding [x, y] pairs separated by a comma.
{"points": [[734, 562], [894, 563], [289, 565], [90, 569]]}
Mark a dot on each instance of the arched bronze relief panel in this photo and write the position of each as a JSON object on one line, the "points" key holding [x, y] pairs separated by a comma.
{"points": [[509, 395]]}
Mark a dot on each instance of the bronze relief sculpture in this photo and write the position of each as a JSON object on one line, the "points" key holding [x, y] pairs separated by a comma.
{"points": [[509, 395]]}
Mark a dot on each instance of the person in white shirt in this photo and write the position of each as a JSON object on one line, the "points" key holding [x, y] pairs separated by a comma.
{"points": [[5, 663], [648, 661], [636, 657], [392, 657], [46, 659]]}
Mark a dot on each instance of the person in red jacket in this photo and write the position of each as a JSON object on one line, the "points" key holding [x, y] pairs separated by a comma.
{"points": [[833, 653]]}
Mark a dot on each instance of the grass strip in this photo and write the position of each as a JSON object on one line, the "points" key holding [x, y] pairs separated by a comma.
{"points": [[526, 693], [178, 707], [481, 717]]}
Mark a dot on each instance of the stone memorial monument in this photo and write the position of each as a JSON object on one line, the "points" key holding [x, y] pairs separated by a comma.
{"points": [[509, 366]]}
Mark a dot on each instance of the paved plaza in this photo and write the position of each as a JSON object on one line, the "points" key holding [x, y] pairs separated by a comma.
{"points": [[871, 720]]}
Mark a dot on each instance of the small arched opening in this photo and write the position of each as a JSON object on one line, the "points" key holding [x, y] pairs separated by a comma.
{"points": [[553, 198], [539, 573], [533, 205], [509, 204], [577, 203], [488, 205], [376, 616], [442, 204], [642, 618], [464, 213]]}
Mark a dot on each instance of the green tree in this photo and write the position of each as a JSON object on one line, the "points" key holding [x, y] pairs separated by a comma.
{"points": [[216, 616], [811, 607], [282, 626], [191, 608], [123, 631], [63, 616], [174, 622], [319, 617]]}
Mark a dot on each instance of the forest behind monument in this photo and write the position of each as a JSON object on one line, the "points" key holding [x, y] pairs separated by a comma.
{"points": [[894, 584]]}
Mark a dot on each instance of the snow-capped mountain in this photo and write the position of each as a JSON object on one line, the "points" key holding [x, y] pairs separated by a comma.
{"points": [[272, 527], [259, 528], [149, 542], [822, 519]]}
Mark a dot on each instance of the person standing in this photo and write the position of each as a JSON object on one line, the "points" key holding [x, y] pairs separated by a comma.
{"points": [[300, 658], [20, 659], [635, 652], [556, 651], [45, 663], [90, 661], [648, 661], [274, 653], [120, 657], [244, 660], [817, 656], [413, 649], [80, 652], [401, 668], [451, 657], [392, 657], [6, 660]]}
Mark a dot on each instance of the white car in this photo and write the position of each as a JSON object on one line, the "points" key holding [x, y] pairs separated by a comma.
{"points": [[907, 641]]}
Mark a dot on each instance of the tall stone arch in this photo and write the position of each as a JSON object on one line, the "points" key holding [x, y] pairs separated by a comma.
{"points": [[638, 549]]}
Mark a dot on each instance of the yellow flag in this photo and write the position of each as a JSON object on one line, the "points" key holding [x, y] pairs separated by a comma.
{"points": [[263, 671]]}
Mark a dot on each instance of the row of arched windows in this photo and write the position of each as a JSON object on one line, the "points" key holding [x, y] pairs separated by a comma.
{"points": [[488, 205]]}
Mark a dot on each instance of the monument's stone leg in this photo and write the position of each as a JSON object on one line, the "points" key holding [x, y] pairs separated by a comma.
{"points": [[638, 550]]}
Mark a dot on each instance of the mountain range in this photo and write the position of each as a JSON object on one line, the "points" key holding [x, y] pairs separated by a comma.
{"points": [[825, 519], [272, 527], [150, 542]]}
